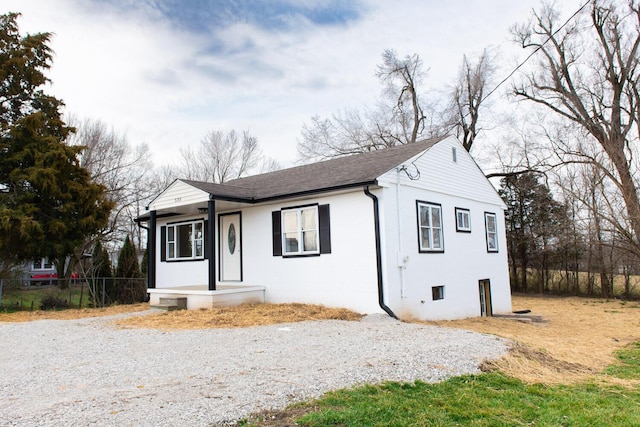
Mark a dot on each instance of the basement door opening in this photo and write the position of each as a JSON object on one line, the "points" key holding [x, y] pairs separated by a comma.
{"points": [[484, 287]]}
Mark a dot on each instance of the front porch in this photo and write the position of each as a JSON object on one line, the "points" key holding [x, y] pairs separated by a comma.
{"points": [[201, 297]]}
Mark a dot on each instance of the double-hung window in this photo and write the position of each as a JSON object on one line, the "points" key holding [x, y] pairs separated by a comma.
{"points": [[463, 220], [430, 236], [300, 231], [491, 231], [185, 241]]}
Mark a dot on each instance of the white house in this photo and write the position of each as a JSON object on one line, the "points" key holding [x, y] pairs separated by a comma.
{"points": [[416, 231]]}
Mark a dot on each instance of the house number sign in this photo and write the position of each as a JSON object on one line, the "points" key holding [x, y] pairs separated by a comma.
{"points": [[231, 238]]}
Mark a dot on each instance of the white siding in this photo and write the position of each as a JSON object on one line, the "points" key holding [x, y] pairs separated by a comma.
{"points": [[465, 260], [347, 277], [439, 173], [177, 194], [344, 278], [179, 273]]}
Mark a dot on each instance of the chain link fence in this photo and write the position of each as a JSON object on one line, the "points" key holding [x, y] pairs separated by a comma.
{"points": [[27, 293]]}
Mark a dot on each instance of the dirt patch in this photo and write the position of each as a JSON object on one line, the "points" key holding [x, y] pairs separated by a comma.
{"points": [[283, 418], [70, 314], [238, 316], [532, 365], [577, 341]]}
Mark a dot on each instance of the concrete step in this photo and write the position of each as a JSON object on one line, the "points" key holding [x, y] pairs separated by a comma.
{"points": [[171, 303], [528, 318]]}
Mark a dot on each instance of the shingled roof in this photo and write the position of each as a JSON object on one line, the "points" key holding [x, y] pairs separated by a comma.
{"points": [[334, 174]]}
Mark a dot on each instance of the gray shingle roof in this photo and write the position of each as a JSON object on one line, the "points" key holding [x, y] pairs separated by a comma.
{"points": [[343, 172]]}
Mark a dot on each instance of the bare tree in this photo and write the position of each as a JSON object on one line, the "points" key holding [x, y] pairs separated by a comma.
{"points": [[221, 157], [398, 118], [468, 96], [401, 78], [595, 208], [402, 115], [122, 168], [345, 133], [162, 176], [588, 75], [269, 164]]}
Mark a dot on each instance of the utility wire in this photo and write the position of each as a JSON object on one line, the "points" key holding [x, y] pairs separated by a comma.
{"points": [[535, 51]]}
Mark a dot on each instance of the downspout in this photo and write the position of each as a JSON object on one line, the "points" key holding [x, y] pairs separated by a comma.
{"points": [[151, 262], [151, 250], [376, 221], [210, 242], [402, 259]]}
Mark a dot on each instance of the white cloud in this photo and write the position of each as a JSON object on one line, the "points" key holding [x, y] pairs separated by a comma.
{"points": [[163, 85]]}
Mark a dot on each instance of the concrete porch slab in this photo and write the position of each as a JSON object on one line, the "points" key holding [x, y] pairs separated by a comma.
{"points": [[200, 297]]}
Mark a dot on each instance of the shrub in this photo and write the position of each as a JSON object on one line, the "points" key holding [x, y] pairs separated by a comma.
{"points": [[130, 288], [52, 302]]}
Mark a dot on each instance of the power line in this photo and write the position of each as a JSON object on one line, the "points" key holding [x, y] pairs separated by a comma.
{"points": [[536, 51]]}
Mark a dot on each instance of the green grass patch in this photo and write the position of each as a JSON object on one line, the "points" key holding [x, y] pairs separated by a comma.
{"points": [[31, 298], [628, 366], [491, 399], [481, 400]]}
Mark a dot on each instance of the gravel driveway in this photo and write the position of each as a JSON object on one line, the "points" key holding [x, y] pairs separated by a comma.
{"points": [[88, 372]]}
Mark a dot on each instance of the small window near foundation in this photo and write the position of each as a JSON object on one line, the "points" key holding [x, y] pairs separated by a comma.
{"points": [[437, 292]]}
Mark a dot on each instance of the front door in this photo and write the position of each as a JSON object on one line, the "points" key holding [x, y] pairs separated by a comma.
{"points": [[230, 246], [485, 298]]}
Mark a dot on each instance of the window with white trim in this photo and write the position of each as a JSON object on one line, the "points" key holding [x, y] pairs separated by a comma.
{"points": [[42, 264], [300, 231], [430, 227], [185, 240], [491, 229], [437, 293], [463, 220]]}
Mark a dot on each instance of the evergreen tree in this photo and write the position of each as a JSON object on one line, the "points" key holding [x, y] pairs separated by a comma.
{"points": [[102, 276], [130, 286], [534, 221], [144, 266], [48, 203]]}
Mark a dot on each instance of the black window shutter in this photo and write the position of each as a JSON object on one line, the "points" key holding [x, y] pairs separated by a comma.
{"points": [[277, 233], [325, 229], [163, 243], [205, 242]]}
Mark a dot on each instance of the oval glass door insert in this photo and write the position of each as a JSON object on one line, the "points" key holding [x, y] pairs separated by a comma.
{"points": [[231, 238]]}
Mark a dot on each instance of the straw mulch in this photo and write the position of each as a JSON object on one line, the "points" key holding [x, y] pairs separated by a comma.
{"points": [[238, 316], [577, 341]]}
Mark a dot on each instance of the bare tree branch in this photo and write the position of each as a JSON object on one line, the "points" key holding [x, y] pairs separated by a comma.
{"points": [[221, 157], [588, 74]]}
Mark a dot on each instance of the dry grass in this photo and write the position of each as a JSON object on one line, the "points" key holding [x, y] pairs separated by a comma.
{"points": [[70, 314], [238, 317], [577, 341]]}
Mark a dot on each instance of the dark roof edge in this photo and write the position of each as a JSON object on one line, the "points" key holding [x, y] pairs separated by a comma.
{"points": [[146, 216], [293, 195]]}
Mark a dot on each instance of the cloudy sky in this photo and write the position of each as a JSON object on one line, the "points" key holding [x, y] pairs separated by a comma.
{"points": [[166, 72]]}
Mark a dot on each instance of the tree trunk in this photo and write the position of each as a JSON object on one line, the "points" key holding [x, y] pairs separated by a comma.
{"points": [[524, 264], [627, 188], [604, 280], [60, 271]]}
